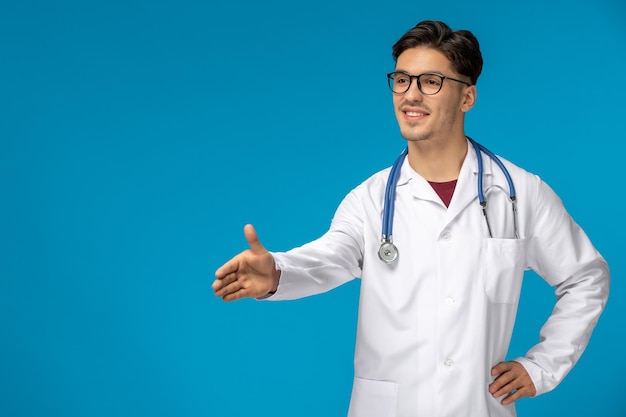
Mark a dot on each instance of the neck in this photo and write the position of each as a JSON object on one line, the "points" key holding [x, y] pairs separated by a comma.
{"points": [[438, 161]]}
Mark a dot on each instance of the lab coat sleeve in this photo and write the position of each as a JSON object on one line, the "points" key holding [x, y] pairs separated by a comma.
{"points": [[562, 254], [323, 264]]}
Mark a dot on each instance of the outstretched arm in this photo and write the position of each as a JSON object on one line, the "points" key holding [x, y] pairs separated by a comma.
{"points": [[251, 274]]}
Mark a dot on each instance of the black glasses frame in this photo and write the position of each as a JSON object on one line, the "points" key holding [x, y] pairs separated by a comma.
{"points": [[391, 76]]}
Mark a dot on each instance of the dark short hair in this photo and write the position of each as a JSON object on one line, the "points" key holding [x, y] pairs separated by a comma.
{"points": [[459, 46]]}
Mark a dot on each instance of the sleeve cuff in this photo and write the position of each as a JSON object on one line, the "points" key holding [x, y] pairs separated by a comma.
{"points": [[266, 296]]}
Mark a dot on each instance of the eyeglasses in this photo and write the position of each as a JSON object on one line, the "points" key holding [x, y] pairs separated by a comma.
{"points": [[428, 83]]}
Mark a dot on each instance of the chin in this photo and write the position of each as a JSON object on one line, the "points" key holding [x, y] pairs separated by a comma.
{"points": [[416, 136]]}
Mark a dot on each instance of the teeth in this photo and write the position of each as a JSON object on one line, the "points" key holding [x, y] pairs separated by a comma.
{"points": [[415, 114]]}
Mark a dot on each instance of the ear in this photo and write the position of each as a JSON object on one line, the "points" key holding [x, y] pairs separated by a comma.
{"points": [[468, 99]]}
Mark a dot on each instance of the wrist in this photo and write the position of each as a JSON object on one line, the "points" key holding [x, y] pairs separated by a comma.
{"points": [[274, 286], [275, 281]]}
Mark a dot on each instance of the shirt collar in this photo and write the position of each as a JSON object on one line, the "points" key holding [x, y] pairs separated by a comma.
{"points": [[470, 164]]}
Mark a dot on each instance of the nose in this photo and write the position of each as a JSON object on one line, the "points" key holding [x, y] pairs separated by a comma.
{"points": [[414, 93]]}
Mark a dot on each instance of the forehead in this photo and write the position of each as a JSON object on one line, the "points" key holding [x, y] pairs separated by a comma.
{"points": [[423, 59]]}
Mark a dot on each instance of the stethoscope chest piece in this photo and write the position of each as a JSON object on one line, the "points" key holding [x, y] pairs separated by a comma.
{"points": [[388, 252]]}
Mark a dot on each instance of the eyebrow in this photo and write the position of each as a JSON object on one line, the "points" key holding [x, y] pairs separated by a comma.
{"points": [[426, 72]]}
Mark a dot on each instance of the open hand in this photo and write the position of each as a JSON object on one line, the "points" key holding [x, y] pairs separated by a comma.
{"points": [[252, 273]]}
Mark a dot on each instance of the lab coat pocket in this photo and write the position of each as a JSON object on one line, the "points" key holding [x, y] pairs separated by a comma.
{"points": [[371, 398], [503, 269]]}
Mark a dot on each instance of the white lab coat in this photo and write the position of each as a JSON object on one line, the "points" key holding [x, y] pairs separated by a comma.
{"points": [[432, 325]]}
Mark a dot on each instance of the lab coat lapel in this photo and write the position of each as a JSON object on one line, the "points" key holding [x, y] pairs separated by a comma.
{"points": [[466, 190], [420, 188]]}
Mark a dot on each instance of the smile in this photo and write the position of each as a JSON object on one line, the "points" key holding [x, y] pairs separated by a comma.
{"points": [[415, 114]]}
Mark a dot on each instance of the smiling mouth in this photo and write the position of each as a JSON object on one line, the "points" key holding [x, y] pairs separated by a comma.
{"points": [[415, 114]]}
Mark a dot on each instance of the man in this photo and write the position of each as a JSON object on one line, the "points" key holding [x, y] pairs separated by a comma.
{"points": [[435, 324]]}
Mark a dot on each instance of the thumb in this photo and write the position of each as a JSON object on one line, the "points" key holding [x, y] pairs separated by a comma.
{"points": [[253, 239]]}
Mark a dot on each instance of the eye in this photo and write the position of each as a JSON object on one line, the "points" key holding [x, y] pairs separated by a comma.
{"points": [[431, 80], [401, 79]]}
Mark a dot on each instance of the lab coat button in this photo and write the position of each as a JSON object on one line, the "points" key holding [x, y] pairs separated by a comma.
{"points": [[445, 236], [448, 363], [449, 301]]}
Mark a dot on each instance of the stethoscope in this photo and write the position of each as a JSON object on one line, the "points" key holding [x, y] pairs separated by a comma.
{"points": [[388, 252]]}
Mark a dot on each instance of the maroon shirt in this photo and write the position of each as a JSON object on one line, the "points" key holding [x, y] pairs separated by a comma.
{"points": [[444, 190]]}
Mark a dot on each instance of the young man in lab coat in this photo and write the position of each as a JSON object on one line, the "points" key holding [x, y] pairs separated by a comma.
{"points": [[434, 326]]}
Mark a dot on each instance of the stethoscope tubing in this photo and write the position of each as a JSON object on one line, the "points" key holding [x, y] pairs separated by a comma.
{"points": [[388, 252], [394, 175], [478, 147]]}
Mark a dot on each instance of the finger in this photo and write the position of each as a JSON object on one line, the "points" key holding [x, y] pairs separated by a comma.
{"points": [[511, 398], [504, 377], [518, 387], [514, 396], [253, 239], [228, 289], [228, 268], [225, 285], [506, 388], [236, 295], [501, 368], [229, 279], [223, 281]]}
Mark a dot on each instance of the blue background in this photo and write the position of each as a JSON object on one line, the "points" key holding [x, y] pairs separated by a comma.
{"points": [[138, 137]]}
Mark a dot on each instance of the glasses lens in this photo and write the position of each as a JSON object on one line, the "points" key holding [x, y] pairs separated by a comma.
{"points": [[430, 83], [399, 82]]}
